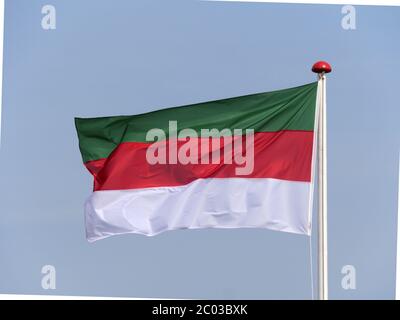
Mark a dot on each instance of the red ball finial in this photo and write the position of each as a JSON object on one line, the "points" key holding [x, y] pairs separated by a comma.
{"points": [[321, 67]]}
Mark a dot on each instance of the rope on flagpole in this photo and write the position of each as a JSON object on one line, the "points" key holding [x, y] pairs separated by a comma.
{"points": [[311, 267]]}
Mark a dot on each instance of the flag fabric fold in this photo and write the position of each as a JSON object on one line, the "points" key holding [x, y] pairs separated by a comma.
{"points": [[243, 162]]}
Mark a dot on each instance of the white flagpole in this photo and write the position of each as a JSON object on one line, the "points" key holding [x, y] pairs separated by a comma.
{"points": [[322, 193], [398, 242], [322, 68]]}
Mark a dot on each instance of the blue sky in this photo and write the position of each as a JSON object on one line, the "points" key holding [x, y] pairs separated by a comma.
{"points": [[127, 57]]}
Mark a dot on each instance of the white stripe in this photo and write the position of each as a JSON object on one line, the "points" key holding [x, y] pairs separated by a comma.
{"points": [[205, 203], [338, 2]]}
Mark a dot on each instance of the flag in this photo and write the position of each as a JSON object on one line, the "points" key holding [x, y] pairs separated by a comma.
{"points": [[243, 162]]}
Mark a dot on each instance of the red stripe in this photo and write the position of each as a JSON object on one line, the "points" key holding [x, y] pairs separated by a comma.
{"points": [[281, 155]]}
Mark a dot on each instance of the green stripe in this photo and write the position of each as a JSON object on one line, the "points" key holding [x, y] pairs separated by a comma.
{"points": [[288, 109]]}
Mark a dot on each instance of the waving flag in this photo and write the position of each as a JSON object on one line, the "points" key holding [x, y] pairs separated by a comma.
{"points": [[243, 162]]}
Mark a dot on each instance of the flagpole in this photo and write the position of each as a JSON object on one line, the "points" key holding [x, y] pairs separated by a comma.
{"points": [[322, 68]]}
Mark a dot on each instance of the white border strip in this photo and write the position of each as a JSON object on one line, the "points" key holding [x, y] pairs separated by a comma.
{"points": [[1, 57], [50, 297], [25, 296], [398, 242], [338, 2]]}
